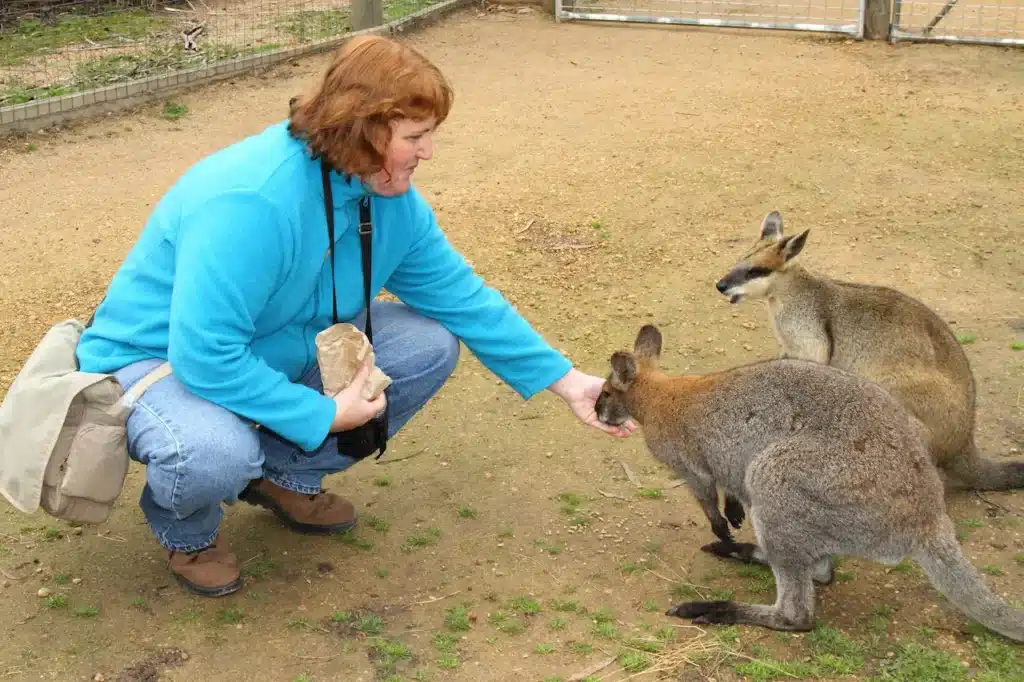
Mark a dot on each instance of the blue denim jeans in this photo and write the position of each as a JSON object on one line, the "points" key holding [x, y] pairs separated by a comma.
{"points": [[198, 455]]}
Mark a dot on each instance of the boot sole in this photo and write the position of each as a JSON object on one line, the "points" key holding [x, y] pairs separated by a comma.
{"points": [[219, 591], [260, 500]]}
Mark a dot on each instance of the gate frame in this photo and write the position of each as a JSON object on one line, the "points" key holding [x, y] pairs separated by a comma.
{"points": [[896, 34], [855, 30]]}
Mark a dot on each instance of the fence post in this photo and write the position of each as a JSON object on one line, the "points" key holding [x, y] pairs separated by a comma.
{"points": [[367, 14], [876, 19]]}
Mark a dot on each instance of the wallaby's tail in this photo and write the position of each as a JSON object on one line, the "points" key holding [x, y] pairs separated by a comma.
{"points": [[949, 571], [979, 473]]}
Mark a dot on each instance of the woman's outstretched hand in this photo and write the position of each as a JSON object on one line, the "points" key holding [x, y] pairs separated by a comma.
{"points": [[580, 392]]}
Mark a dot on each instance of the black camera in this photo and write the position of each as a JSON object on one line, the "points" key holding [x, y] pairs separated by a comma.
{"points": [[363, 441]]}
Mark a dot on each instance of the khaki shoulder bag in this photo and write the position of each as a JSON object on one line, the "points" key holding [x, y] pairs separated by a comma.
{"points": [[63, 440]]}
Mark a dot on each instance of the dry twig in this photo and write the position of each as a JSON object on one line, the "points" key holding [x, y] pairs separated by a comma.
{"points": [[590, 671], [630, 475], [434, 599], [391, 460]]}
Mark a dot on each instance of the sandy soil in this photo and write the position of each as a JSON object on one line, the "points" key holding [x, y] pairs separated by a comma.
{"points": [[597, 200]]}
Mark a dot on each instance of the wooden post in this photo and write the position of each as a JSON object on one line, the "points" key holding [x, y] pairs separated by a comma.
{"points": [[876, 19], [367, 14]]}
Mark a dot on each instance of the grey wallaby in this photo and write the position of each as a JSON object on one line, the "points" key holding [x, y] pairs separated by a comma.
{"points": [[877, 333], [825, 462]]}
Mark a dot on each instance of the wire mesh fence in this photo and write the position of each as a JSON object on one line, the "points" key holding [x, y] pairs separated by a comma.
{"points": [[997, 22], [50, 48], [838, 16]]}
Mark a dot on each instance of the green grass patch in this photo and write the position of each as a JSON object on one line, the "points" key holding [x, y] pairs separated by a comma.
{"points": [[634, 661], [387, 655], [456, 619], [173, 111], [916, 663], [396, 9], [56, 601], [32, 36], [377, 523], [506, 623], [414, 542], [307, 25]]}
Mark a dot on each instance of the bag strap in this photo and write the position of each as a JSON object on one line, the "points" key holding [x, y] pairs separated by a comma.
{"points": [[156, 374], [141, 386], [365, 243]]}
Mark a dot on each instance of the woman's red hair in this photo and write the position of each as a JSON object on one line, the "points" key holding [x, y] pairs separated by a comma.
{"points": [[371, 81]]}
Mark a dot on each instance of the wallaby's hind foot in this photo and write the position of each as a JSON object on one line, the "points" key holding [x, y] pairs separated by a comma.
{"points": [[793, 610], [745, 552], [749, 553]]}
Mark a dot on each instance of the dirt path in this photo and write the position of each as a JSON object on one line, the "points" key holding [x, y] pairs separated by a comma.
{"points": [[905, 162]]}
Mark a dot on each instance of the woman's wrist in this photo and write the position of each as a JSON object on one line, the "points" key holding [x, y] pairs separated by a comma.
{"points": [[563, 386]]}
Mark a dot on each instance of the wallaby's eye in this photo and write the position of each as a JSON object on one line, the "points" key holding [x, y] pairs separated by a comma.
{"points": [[757, 271]]}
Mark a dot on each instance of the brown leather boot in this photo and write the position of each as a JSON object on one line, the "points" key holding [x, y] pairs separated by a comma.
{"points": [[211, 572], [321, 513]]}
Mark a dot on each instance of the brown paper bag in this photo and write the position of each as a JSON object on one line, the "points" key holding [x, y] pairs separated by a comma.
{"points": [[341, 350]]}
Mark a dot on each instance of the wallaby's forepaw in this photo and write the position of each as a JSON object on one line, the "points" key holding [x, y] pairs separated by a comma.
{"points": [[740, 551], [734, 512], [705, 612]]}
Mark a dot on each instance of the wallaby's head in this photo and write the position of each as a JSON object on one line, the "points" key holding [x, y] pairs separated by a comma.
{"points": [[754, 275], [616, 403]]}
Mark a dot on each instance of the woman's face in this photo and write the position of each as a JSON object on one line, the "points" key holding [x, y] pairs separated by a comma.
{"points": [[411, 142]]}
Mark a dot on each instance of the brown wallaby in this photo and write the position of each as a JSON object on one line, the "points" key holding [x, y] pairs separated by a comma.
{"points": [[877, 333], [826, 464]]}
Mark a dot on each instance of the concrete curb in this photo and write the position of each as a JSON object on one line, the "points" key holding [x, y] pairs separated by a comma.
{"points": [[40, 114]]}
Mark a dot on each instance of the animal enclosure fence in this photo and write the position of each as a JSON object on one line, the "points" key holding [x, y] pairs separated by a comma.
{"points": [[992, 22], [989, 22], [59, 55], [833, 16]]}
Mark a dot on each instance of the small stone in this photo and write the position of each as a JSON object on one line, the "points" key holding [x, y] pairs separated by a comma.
{"points": [[7, 583], [488, 475], [747, 346], [76, 581], [44, 592], [98, 677], [184, 656], [76, 531]]}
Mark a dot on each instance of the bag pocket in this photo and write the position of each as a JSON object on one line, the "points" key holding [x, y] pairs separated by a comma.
{"points": [[97, 462]]}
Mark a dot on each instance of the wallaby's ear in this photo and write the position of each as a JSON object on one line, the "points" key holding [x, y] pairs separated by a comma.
{"points": [[623, 370], [790, 247], [648, 343], [771, 227]]}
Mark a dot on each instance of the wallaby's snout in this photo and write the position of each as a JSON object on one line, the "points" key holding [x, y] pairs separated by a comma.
{"points": [[752, 275]]}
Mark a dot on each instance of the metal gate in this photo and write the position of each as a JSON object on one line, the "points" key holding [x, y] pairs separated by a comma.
{"points": [[985, 22], [830, 16]]}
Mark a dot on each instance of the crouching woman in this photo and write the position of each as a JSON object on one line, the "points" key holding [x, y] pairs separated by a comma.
{"points": [[233, 276]]}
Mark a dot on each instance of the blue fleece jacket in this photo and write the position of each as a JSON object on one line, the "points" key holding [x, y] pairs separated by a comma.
{"points": [[230, 281]]}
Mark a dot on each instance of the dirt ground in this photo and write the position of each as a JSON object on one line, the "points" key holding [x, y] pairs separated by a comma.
{"points": [[602, 176]]}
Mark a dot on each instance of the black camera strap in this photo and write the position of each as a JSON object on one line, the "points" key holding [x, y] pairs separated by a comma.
{"points": [[366, 247], [365, 243]]}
